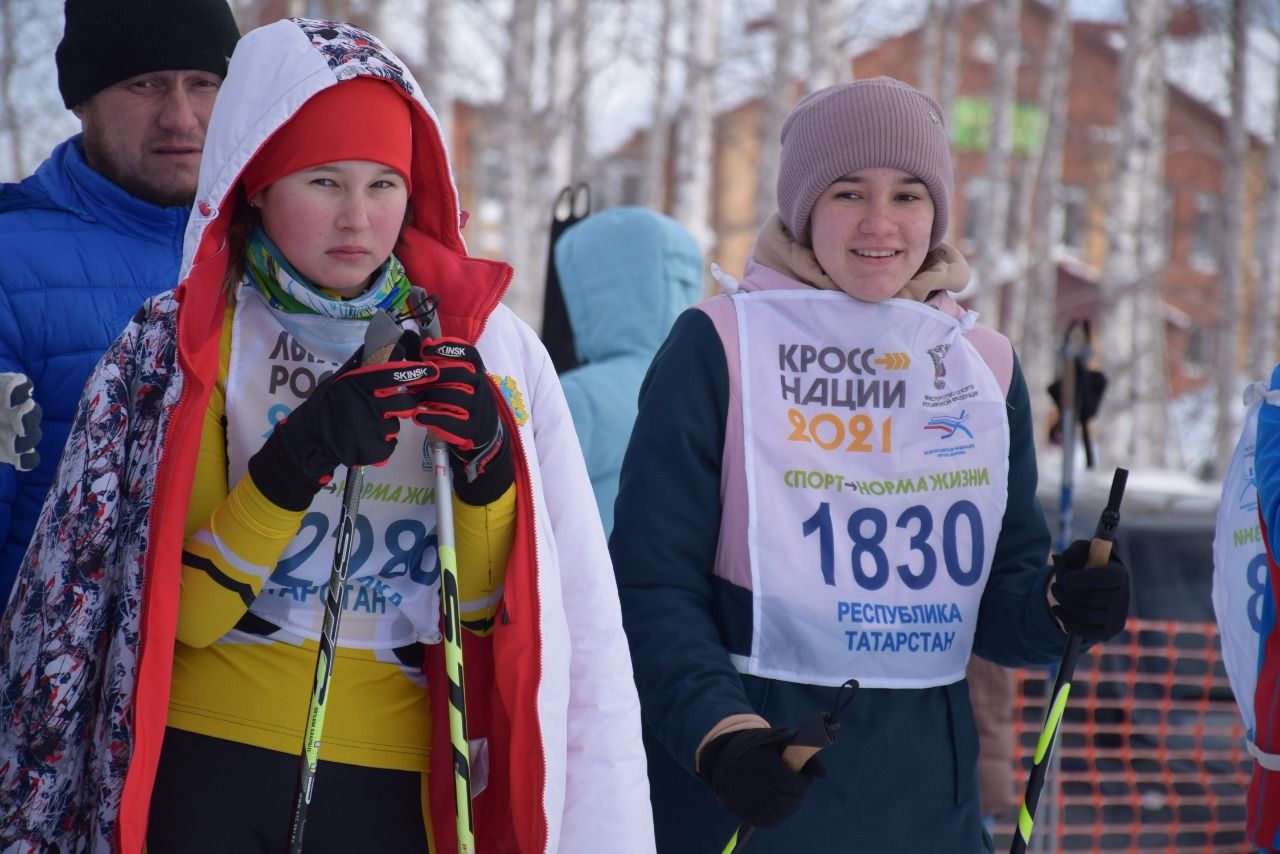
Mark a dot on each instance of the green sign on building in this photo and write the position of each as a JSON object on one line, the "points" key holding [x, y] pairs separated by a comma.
{"points": [[971, 126]]}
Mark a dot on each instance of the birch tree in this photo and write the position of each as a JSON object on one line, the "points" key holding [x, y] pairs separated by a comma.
{"points": [[517, 191], [1231, 249], [949, 73], [697, 124], [563, 120], [579, 149], [9, 118], [438, 86], [993, 230], [930, 47], [362, 13], [1151, 379], [1141, 73], [777, 104], [824, 43], [657, 144], [1033, 327], [255, 13], [1264, 314], [32, 117]]}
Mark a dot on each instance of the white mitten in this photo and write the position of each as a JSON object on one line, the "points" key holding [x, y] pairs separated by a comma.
{"points": [[19, 422]]}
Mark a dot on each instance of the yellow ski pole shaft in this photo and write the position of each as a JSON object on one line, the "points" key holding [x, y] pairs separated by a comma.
{"points": [[458, 741], [453, 646], [1099, 554], [379, 340]]}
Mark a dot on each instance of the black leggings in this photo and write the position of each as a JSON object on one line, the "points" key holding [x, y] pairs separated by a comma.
{"points": [[214, 796]]}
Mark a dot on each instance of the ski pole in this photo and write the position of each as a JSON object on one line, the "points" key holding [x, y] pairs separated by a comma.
{"points": [[816, 733], [1074, 352], [1071, 344], [420, 306], [379, 339], [1099, 554]]}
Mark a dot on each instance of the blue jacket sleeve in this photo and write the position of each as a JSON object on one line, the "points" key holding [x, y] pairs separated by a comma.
{"points": [[1015, 627], [667, 522], [1266, 466], [10, 360]]}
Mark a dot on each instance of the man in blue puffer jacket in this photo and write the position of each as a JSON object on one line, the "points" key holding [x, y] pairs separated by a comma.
{"points": [[626, 275], [98, 228]]}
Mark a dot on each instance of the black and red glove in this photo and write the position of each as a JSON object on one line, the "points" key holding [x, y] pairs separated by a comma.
{"points": [[352, 418], [460, 406]]}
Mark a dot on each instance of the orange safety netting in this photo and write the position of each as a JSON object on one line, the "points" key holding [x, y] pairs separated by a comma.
{"points": [[1151, 753]]}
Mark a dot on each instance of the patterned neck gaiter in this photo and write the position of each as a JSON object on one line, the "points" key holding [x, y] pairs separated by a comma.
{"points": [[288, 290]]}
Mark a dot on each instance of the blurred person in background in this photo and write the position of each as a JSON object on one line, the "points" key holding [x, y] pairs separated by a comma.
{"points": [[98, 227], [626, 274], [1262, 806]]}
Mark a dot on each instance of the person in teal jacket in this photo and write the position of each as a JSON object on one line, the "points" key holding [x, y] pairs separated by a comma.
{"points": [[626, 274], [832, 476]]}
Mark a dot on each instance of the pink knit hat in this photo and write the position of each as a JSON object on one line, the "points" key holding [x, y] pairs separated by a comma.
{"points": [[863, 124]]}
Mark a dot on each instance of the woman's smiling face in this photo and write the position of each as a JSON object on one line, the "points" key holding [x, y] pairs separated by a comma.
{"points": [[870, 231]]}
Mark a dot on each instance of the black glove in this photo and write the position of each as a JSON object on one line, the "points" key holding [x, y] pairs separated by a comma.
{"points": [[745, 770], [1094, 602], [19, 422], [351, 418], [460, 406]]}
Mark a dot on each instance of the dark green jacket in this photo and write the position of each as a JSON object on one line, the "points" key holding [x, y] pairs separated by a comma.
{"points": [[902, 774]]}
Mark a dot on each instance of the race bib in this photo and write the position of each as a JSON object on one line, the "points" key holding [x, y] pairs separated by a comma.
{"points": [[392, 593], [1240, 577], [876, 451]]}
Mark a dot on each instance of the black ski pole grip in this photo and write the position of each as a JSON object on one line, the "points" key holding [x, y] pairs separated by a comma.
{"points": [[1105, 534]]}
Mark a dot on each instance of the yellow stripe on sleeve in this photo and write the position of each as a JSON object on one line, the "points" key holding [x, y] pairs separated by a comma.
{"points": [[484, 536]]}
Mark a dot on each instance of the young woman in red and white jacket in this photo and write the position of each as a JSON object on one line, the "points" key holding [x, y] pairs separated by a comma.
{"points": [[159, 650]]}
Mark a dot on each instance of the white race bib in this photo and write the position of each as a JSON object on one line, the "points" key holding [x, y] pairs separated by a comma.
{"points": [[1240, 561], [392, 592], [877, 449]]}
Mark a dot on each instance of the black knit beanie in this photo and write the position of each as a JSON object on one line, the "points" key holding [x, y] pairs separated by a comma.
{"points": [[106, 41]]}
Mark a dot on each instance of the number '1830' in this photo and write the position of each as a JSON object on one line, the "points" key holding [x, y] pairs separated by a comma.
{"points": [[868, 527]]}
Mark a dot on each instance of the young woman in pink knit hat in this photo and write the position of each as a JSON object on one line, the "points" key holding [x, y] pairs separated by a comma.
{"points": [[832, 477]]}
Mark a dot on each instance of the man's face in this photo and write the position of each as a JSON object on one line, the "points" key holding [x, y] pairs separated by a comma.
{"points": [[145, 134]]}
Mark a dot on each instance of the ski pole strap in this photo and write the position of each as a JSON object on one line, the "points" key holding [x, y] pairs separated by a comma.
{"points": [[813, 735], [819, 731]]}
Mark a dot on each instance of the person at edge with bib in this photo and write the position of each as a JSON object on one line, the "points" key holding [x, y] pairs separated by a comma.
{"points": [[160, 647], [1253, 638], [832, 476]]}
